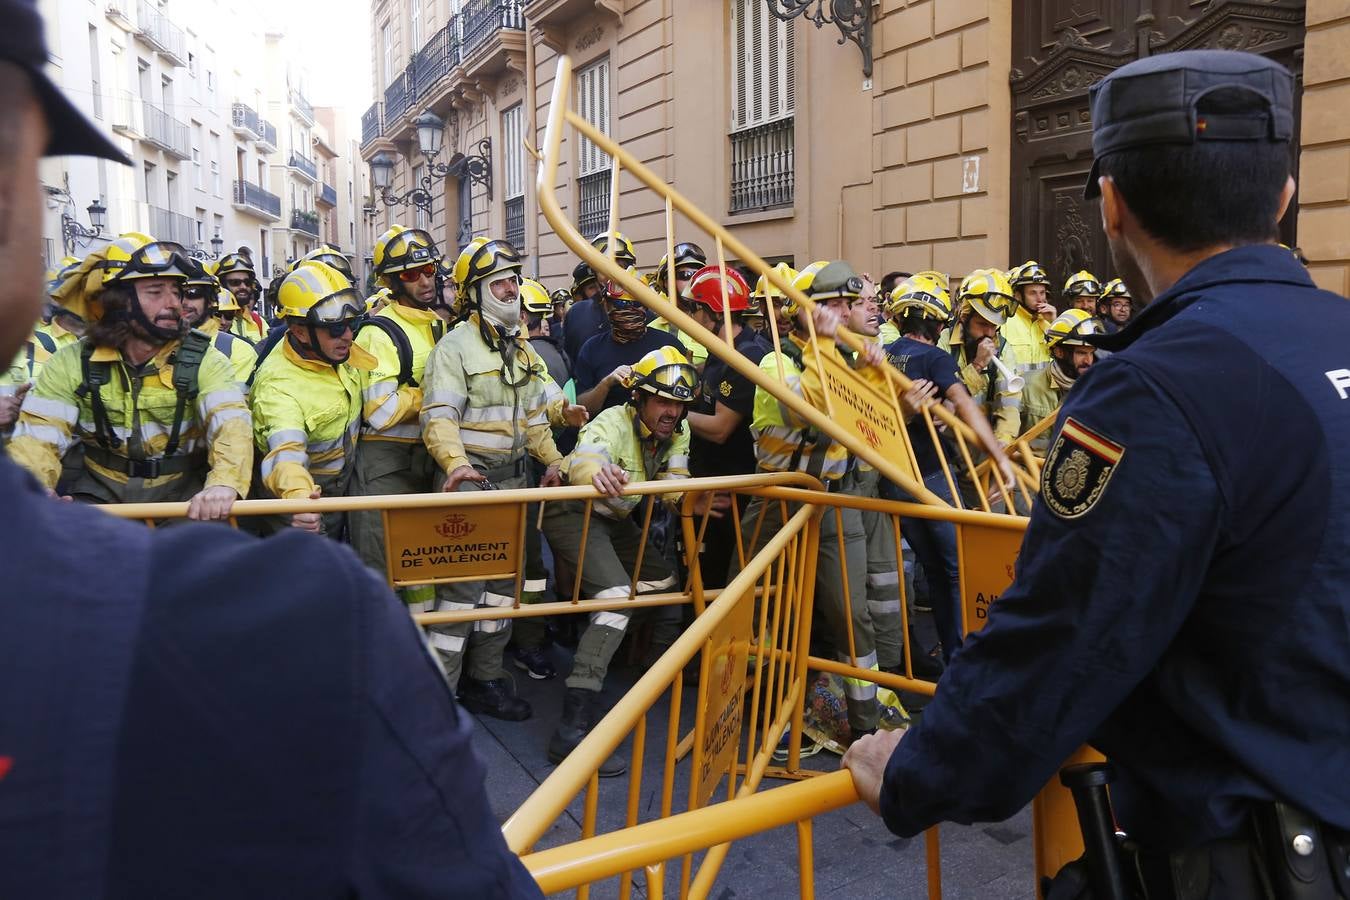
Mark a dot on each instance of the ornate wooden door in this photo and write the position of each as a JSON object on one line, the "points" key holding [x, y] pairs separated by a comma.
{"points": [[1060, 49]]}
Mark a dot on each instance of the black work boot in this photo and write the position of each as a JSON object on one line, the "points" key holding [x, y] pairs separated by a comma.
{"points": [[578, 717], [496, 698]]}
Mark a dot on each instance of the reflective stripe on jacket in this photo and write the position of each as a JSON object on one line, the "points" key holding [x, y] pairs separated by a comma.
{"points": [[390, 409], [617, 436]]}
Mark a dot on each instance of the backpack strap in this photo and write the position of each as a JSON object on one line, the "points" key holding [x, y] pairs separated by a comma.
{"points": [[46, 340], [93, 375], [187, 363], [274, 336], [401, 343]]}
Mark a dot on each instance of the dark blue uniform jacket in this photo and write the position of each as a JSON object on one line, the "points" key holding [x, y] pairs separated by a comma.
{"points": [[195, 713], [1182, 599]]}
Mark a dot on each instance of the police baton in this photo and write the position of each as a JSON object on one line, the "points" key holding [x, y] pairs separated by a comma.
{"points": [[1087, 783]]}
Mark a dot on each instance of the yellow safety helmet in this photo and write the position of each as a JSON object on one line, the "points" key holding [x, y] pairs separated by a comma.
{"points": [[225, 301], [400, 249], [825, 280], [1114, 288], [987, 292], [319, 294], [232, 262], [1083, 282], [534, 298], [665, 372], [57, 273], [328, 255], [764, 288], [1071, 328], [560, 295], [623, 250], [687, 256], [481, 259], [135, 255], [922, 294], [1029, 272]]}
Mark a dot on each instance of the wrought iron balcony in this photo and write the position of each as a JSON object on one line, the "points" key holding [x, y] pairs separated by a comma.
{"points": [[166, 132], [267, 138], [762, 167], [301, 107], [436, 59], [250, 197], [328, 194], [167, 225], [304, 164], [306, 221], [371, 123], [480, 19], [245, 121], [396, 98]]}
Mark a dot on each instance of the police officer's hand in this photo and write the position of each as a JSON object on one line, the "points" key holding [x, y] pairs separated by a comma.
{"points": [[921, 394], [866, 761], [552, 475], [308, 521], [461, 475], [984, 354], [610, 480], [576, 415], [9, 406], [212, 504]]}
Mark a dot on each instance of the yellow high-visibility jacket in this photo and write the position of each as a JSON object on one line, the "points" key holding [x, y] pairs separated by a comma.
{"points": [[1000, 404], [390, 410], [471, 412], [59, 335], [1025, 334], [306, 415], [241, 354], [618, 436], [140, 408], [784, 442], [248, 328], [1041, 397]]}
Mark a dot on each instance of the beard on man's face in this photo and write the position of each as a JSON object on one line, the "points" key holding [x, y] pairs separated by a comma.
{"points": [[1129, 271]]}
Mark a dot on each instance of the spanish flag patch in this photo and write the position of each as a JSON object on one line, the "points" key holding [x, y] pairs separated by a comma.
{"points": [[1079, 467]]}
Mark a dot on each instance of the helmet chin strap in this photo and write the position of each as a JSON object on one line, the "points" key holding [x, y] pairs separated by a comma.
{"points": [[314, 346], [155, 332]]}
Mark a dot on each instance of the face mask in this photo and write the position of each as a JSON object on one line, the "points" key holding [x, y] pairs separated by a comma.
{"points": [[504, 314], [627, 324]]}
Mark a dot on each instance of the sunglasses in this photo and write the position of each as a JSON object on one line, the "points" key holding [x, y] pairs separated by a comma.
{"points": [[338, 329], [618, 303], [411, 275], [195, 292]]}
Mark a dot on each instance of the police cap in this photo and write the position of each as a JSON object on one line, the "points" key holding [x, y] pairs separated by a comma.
{"points": [[1153, 101]]}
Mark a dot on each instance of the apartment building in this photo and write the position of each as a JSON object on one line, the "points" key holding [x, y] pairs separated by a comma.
{"points": [[211, 109], [941, 133]]}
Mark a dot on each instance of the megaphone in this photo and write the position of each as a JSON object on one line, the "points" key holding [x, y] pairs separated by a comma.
{"points": [[1015, 382]]}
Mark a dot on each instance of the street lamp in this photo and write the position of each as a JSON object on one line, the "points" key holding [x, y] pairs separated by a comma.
{"points": [[217, 244], [430, 133], [73, 233]]}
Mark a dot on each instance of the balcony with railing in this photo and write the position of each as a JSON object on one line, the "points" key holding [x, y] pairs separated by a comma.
{"points": [[481, 19], [304, 165], [167, 225], [127, 119], [328, 194], [159, 32], [396, 99], [762, 167], [245, 121], [434, 62], [301, 107], [251, 198], [166, 132], [119, 13], [267, 138], [371, 124], [306, 221]]}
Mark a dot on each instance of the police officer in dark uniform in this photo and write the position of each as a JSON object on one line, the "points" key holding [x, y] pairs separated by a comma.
{"points": [[1183, 590], [189, 712]]}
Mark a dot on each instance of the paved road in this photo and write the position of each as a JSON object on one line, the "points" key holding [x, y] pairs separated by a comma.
{"points": [[855, 856]]}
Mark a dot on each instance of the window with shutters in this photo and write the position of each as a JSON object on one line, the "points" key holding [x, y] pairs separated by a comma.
{"points": [[763, 102], [513, 172], [593, 165]]}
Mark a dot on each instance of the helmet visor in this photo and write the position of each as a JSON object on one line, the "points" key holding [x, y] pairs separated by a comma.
{"points": [[676, 382], [494, 256], [339, 307], [410, 249], [1086, 287]]}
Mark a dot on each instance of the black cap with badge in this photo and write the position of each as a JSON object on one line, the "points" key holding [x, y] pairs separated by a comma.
{"points": [[70, 133], [1154, 100]]}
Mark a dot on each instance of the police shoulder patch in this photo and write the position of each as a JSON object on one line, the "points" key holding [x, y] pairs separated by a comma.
{"points": [[725, 388], [1079, 467]]}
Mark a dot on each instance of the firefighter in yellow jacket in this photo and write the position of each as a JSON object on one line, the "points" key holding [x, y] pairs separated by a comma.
{"points": [[645, 439], [237, 276], [986, 361], [307, 393], [202, 297], [155, 406], [487, 407]]}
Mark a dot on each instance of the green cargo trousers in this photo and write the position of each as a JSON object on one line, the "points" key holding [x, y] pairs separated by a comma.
{"points": [[883, 571], [611, 552]]}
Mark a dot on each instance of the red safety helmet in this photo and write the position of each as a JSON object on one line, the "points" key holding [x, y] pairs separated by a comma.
{"points": [[706, 288]]}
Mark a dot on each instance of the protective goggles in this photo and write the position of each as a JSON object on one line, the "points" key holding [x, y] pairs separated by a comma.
{"points": [[410, 275], [676, 381], [1033, 275], [337, 310], [337, 261], [494, 256], [410, 249], [1084, 287], [161, 258], [233, 262], [849, 290], [926, 303]]}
